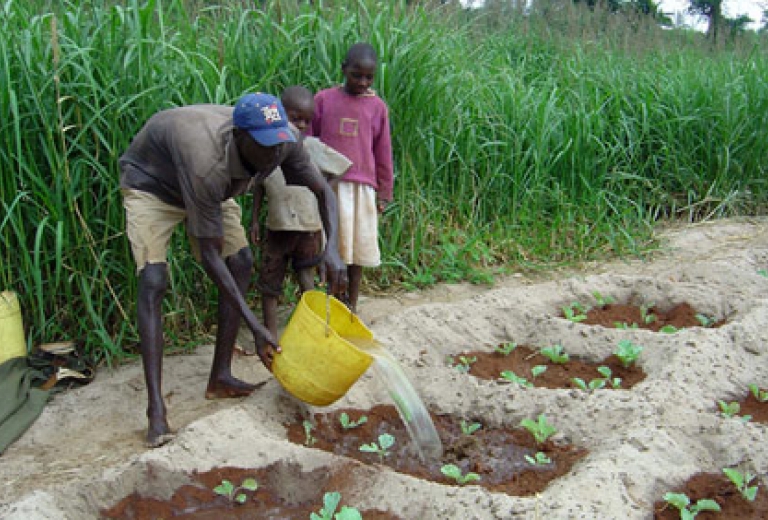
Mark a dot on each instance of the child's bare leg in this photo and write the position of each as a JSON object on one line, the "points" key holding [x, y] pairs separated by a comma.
{"points": [[306, 279], [355, 275]]}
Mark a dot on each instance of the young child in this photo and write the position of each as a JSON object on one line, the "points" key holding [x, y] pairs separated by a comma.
{"points": [[293, 225], [352, 119]]}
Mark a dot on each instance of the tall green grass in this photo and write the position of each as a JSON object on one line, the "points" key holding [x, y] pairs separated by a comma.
{"points": [[520, 140]]}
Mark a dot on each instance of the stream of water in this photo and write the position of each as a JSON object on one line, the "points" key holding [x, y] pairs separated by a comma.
{"points": [[410, 407]]}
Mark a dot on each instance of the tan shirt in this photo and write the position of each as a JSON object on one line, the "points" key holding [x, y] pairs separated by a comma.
{"points": [[186, 157], [294, 208]]}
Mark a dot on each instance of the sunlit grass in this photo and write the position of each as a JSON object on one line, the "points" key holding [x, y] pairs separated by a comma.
{"points": [[520, 142]]}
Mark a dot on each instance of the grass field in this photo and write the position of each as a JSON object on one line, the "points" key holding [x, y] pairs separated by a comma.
{"points": [[520, 141]]}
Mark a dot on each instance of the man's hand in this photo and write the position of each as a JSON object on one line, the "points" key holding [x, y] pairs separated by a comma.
{"points": [[266, 347], [336, 273]]}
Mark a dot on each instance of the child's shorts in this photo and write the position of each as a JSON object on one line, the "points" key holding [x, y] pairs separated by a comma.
{"points": [[149, 224], [301, 248]]}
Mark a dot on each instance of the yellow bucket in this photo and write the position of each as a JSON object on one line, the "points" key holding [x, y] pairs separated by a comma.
{"points": [[317, 364], [12, 342]]}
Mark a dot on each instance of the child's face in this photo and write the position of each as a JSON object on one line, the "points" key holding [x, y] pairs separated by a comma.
{"points": [[358, 76], [301, 114]]}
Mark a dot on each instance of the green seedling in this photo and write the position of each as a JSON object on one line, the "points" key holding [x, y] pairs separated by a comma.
{"points": [[348, 424], [595, 384], [601, 300], [688, 511], [760, 395], [646, 314], [328, 512], [381, 448], [233, 493], [556, 354], [538, 370], [469, 428], [615, 382], [668, 329], [627, 352], [574, 312], [539, 459], [506, 349], [309, 439], [705, 320], [514, 378], [625, 326], [453, 471], [465, 363], [763, 272], [742, 481], [540, 429], [731, 410]]}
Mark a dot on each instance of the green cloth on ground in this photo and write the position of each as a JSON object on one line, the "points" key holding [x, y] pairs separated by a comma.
{"points": [[21, 401]]}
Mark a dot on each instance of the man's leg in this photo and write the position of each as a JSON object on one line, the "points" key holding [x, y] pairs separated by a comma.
{"points": [[153, 282], [221, 382]]}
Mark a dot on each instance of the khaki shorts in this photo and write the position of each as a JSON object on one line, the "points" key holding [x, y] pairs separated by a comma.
{"points": [[149, 224]]}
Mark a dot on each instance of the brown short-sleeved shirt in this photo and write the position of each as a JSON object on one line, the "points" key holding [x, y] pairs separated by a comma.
{"points": [[186, 157]]}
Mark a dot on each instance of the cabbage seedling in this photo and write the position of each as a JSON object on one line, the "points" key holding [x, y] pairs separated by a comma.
{"points": [[538, 370], [506, 348], [539, 459], [232, 492], [705, 320], [731, 410], [514, 378], [763, 272], [556, 354], [615, 382], [627, 352], [465, 363], [595, 384], [348, 424], [646, 314], [688, 511], [574, 312], [760, 395], [625, 326], [601, 300], [469, 428], [381, 449], [540, 429], [309, 439], [668, 329], [742, 481], [328, 512], [453, 471]]}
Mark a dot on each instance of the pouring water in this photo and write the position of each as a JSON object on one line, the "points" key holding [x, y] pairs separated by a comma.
{"points": [[409, 406]]}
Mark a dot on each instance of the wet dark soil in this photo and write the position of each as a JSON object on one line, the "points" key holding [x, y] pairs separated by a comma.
{"points": [[717, 487], [655, 317], [496, 454], [283, 493], [758, 410]]}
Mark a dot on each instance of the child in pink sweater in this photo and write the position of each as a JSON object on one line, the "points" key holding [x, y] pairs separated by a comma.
{"points": [[353, 120]]}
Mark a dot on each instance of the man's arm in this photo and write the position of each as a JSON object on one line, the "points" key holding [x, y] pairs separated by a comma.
{"points": [[258, 198], [216, 268]]}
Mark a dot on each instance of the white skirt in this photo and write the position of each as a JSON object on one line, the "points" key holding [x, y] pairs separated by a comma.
{"points": [[358, 224]]}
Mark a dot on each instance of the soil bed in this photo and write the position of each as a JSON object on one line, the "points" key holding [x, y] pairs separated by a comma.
{"points": [[490, 365], [496, 454], [679, 316], [279, 496], [717, 487]]}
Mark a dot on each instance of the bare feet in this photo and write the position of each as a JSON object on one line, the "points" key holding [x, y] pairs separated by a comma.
{"points": [[159, 432], [230, 387]]}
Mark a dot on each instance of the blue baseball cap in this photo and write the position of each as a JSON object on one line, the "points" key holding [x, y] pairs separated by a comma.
{"points": [[264, 117]]}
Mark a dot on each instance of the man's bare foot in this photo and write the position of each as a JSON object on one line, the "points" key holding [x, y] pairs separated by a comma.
{"points": [[159, 434], [230, 387]]}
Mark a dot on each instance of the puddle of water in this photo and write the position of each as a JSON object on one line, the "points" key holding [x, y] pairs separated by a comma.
{"points": [[410, 407]]}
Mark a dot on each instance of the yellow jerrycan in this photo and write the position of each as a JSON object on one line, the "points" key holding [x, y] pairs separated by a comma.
{"points": [[318, 364], [12, 342]]}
